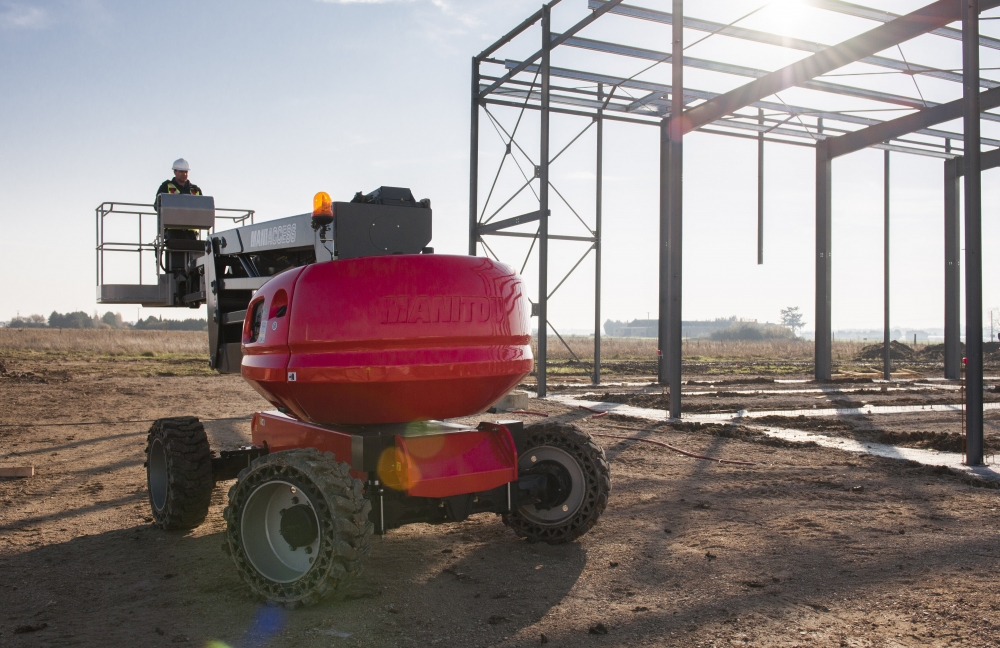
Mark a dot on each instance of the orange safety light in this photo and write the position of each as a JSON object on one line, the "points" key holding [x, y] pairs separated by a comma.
{"points": [[322, 209]]}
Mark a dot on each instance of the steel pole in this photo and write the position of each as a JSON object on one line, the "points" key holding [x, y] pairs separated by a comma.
{"points": [[599, 198], [662, 337], [543, 205], [760, 189], [474, 161], [675, 128], [973, 235], [886, 360], [824, 347], [952, 270]]}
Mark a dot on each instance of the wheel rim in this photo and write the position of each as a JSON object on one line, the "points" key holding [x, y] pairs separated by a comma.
{"points": [[156, 472], [578, 480], [264, 535]]}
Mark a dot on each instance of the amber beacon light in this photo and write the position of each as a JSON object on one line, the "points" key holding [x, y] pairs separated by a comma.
{"points": [[322, 209]]}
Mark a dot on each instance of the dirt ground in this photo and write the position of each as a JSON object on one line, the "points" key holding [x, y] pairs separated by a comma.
{"points": [[809, 546]]}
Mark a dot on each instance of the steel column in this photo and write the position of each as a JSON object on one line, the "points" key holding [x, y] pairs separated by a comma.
{"points": [[824, 205], [952, 270], [543, 205], [675, 213], [599, 199], [474, 160], [886, 359], [760, 189], [664, 269], [973, 235]]}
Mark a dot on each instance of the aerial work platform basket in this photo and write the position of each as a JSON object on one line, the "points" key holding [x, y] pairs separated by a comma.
{"points": [[138, 229]]}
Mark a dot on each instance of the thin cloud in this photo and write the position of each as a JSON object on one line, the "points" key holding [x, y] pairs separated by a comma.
{"points": [[19, 16]]}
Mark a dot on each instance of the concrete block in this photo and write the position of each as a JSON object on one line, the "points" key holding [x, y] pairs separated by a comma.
{"points": [[515, 400]]}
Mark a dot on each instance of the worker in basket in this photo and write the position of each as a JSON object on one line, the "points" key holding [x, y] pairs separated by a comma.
{"points": [[179, 184]]}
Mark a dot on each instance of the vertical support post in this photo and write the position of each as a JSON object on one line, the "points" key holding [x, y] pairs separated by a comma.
{"points": [[973, 235], [675, 213], [543, 206], [952, 269], [599, 200], [886, 359], [662, 337], [760, 189], [824, 206], [474, 161]]}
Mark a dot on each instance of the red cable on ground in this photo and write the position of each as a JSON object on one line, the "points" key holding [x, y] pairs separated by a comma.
{"points": [[527, 412], [667, 445], [597, 413]]}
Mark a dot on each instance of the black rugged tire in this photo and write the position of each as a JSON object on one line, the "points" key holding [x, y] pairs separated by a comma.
{"points": [[344, 528], [597, 474], [184, 486]]}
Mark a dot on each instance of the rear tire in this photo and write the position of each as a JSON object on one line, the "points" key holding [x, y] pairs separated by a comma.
{"points": [[297, 526], [178, 472], [572, 452]]}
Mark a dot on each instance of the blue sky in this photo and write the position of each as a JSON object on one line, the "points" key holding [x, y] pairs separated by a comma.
{"points": [[273, 101]]}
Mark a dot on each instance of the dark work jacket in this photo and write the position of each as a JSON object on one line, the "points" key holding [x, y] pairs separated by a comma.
{"points": [[173, 186]]}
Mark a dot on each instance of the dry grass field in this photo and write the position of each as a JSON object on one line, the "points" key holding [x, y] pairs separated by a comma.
{"points": [[113, 342], [109, 342], [616, 348]]}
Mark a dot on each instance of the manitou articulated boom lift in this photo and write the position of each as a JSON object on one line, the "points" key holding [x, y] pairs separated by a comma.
{"points": [[365, 341]]}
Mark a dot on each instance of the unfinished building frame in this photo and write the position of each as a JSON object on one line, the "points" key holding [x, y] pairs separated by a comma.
{"points": [[534, 84]]}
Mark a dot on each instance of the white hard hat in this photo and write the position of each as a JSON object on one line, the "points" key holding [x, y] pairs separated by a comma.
{"points": [[180, 164]]}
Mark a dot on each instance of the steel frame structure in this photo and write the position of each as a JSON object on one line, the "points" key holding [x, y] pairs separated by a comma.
{"points": [[533, 84]]}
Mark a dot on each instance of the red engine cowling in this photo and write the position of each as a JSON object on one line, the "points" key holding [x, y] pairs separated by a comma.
{"points": [[388, 339]]}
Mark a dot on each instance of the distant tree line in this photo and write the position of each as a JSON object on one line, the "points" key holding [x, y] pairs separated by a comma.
{"points": [[81, 320]]}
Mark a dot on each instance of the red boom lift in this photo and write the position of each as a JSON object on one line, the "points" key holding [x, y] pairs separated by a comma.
{"points": [[365, 342]]}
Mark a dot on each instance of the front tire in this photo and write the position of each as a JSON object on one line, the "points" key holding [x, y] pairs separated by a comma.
{"points": [[297, 526], [178, 472], [569, 453]]}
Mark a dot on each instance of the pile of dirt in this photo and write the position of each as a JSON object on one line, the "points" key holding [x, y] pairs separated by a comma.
{"points": [[19, 376], [730, 431], [807, 423], [925, 353], [662, 401], [897, 351], [759, 380]]}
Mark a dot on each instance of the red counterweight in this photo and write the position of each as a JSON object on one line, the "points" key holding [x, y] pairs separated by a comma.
{"points": [[388, 339]]}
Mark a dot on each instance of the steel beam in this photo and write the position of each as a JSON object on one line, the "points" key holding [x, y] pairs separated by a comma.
{"points": [[755, 36], [474, 160], [954, 169], [543, 206], [512, 34], [598, 209], [690, 94], [824, 205], [510, 222], [952, 269], [760, 189], [921, 21], [907, 124], [880, 15], [973, 236], [550, 42], [743, 71], [552, 237], [672, 314], [886, 358]]}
